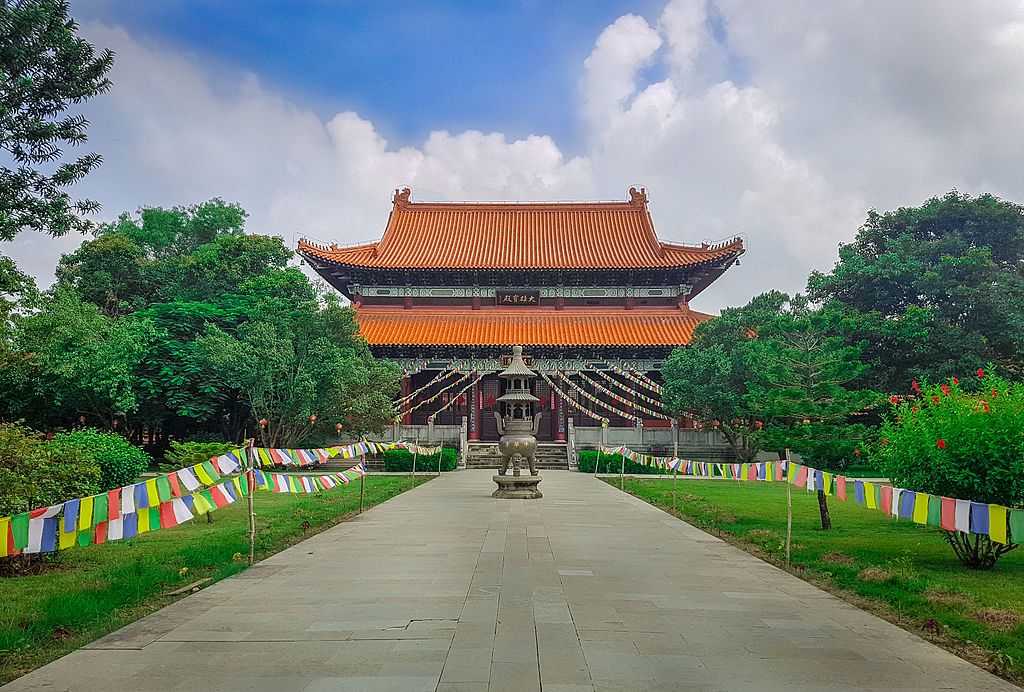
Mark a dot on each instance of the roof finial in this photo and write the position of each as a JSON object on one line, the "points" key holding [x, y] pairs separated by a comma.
{"points": [[402, 196], [638, 197]]}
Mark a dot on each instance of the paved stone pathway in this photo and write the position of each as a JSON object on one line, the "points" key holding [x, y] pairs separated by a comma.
{"points": [[444, 588]]}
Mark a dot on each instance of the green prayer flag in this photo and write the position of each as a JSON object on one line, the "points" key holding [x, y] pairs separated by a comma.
{"points": [[1017, 525], [99, 509], [163, 489], [154, 518], [19, 529], [208, 467], [934, 510], [84, 538]]}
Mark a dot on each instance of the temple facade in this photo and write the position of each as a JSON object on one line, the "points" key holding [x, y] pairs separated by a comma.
{"points": [[588, 290]]}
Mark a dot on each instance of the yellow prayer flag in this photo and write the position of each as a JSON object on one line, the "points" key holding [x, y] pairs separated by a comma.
{"points": [[85, 514], [237, 480], [202, 475], [790, 471], [200, 504], [152, 493], [826, 480], [65, 539], [869, 495], [921, 508], [143, 521], [997, 523], [5, 523]]}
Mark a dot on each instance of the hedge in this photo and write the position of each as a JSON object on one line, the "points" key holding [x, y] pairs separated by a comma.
{"points": [[119, 460], [401, 460], [587, 458]]}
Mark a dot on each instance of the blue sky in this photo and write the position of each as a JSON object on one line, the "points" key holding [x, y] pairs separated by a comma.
{"points": [[410, 67], [782, 122]]}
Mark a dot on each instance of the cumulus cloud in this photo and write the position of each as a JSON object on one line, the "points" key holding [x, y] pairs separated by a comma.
{"points": [[782, 122]]}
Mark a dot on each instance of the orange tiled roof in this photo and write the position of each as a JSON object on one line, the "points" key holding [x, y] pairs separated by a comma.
{"points": [[553, 235], [440, 326]]}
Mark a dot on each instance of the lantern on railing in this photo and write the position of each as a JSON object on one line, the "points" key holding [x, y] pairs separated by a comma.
{"points": [[263, 423], [312, 419]]}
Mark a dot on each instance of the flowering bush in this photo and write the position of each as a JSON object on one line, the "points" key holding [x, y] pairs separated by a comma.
{"points": [[945, 440]]}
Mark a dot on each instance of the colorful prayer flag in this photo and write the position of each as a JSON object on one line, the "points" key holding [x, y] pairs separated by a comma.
{"points": [[1017, 525], [85, 514], [870, 499], [920, 510], [114, 504], [948, 517], [188, 479], [907, 502], [979, 518], [934, 510], [997, 524], [841, 487], [962, 515]]}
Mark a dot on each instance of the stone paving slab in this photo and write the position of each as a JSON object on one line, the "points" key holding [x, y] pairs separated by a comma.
{"points": [[445, 589]]}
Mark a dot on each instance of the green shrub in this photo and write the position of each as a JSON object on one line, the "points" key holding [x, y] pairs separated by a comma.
{"points": [[120, 461], [401, 460], [35, 473], [944, 441], [587, 459], [182, 454]]}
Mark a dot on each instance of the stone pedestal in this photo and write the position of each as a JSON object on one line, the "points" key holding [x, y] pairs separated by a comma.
{"points": [[517, 487]]}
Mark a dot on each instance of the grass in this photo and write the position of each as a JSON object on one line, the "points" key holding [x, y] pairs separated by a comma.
{"points": [[88, 592], [904, 572]]}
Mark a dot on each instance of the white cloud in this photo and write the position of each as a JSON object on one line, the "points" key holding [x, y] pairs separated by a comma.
{"points": [[784, 125]]}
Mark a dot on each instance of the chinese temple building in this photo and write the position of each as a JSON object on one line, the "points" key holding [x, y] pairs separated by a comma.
{"points": [[588, 290]]}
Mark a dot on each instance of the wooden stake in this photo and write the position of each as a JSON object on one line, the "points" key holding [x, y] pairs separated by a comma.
{"points": [[675, 459], [622, 472], [597, 466], [789, 511], [250, 479]]}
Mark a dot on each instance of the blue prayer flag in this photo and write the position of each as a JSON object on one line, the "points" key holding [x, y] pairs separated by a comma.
{"points": [[141, 496], [71, 515], [130, 524], [979, 518], [858, 490], [906, 510]]}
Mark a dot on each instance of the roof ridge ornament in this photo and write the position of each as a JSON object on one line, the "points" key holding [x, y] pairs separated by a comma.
{"points": [[402, 196], [638, 197]]}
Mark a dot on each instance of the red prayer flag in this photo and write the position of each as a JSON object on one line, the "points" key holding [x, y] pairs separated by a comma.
{"points": [[948, 520], [100, 533], [886, 499], [841, 487], [114, 504], [167, 519], [175, 488], [801, 477]]}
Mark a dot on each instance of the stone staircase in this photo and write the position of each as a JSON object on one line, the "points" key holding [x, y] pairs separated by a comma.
{"points": [[485, 455]]}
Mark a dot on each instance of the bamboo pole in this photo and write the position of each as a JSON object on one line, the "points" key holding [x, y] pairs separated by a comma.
{"points": [[622, 472], [789, 511], [362, 481], [415, 450], [250, 479]]}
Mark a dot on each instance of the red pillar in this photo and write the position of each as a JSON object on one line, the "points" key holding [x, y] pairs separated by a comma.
{"points": [[476, 402], [559, 413], [406, 390]]}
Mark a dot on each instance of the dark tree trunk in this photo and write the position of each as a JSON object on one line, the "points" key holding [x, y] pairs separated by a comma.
{"points": [[976, 551], [826, 520]]}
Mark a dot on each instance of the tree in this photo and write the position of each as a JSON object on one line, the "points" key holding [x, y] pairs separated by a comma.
{"points": [[45, 67], [303, 372], [75, 361], [800, 390], [710, 378], [947, 442], [932, 290]]}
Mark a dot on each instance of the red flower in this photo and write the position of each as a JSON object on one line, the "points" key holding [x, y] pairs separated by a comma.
{"points": [[915, 409], [985, 406], [955, 380], [945, 389], [940, 443], [856, 452], [994, 392], [915, 386], [981, 373], [935, 399], [894, 400]]}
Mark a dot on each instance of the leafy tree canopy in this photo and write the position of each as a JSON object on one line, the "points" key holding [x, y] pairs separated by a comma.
{"points": [[932, 290], [45, 67]]}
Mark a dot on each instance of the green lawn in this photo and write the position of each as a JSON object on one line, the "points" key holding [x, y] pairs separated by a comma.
{"points": [[904, 572], [92, 591]]}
